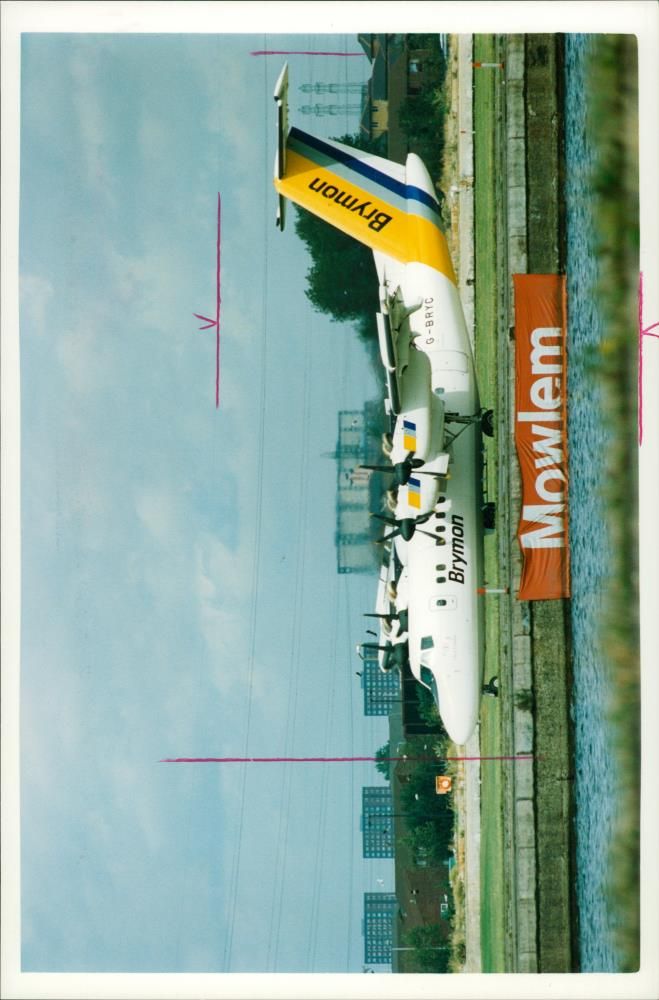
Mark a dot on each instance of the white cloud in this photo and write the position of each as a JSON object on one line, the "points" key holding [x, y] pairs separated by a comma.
{"points": [[230, 112], [92, 122], [149, 284], [159, 513], [225, 585], [233, 118], [36, 295], [84, 354]]}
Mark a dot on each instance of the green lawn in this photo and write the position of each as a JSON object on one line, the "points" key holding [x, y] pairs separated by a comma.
{"points": [[493, 888]]}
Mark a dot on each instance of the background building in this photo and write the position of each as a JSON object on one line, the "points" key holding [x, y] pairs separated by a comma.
{"points": [[381, 690], [357, 489], [377, 822], [352, 495], [399, 72], [380, 910]]}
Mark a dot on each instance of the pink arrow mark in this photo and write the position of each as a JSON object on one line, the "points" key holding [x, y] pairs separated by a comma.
{"points": [[215, 322], [642, 332]]}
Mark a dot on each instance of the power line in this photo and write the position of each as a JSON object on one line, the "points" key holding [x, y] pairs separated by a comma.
{"points": [[256, 560]]}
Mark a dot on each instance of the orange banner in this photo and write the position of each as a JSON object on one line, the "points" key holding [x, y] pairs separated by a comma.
{"points": [[541, 434]]}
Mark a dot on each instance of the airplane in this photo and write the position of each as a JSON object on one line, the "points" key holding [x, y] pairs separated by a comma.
{"points": [[390, 611], [417, 441], [392, 208]]}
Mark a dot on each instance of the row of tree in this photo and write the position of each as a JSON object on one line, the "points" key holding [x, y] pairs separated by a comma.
{"points": [[341, 281]]}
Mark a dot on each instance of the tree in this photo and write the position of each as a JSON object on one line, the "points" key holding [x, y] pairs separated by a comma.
{"points": [[421, 117], [383, 765], [424, 843], [428, 710], [341, 281], [432, 951], [422, 805]]}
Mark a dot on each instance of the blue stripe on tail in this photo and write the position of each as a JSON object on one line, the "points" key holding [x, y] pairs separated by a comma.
{"points": [[407, 191]]}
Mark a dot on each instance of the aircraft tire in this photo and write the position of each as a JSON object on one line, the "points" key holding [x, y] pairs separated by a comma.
{"points": [[490, 515], [487, 423]]}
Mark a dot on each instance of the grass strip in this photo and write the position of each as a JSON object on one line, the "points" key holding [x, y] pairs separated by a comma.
{"points": [[493, 887]]}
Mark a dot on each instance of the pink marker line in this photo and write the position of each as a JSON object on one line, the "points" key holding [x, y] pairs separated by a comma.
{"points": [[210, 322], [324, 760], [215, 322], [642, 332], [217, 305]]}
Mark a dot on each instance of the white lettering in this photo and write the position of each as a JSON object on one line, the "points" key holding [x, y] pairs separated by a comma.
{"points": [[538, 366], [530, 415], [542, 485], [542, 395], [549, 444], [551, 533]]}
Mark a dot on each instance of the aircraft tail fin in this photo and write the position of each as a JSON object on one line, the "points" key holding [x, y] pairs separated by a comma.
{"points": [[388, 206]]}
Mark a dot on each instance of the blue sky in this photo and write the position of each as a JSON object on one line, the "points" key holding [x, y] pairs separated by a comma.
{"points": [[179, 592], [143, 510]]}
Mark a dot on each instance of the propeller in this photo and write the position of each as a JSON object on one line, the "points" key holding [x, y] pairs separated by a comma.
{"points": [[405, 527], [396, 616], [403, 470], [411, 527], [400, 470], [395, 655]]}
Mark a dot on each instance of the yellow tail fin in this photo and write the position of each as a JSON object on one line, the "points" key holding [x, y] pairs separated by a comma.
{"points": [[390, 207]]}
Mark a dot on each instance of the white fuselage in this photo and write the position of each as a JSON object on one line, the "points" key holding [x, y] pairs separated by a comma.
{"points": [[445, 625], [445, 571]]}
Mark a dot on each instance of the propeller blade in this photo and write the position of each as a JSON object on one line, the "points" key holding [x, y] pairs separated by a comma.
{"points": [[438, 538], [435, 475], [383, 517]]}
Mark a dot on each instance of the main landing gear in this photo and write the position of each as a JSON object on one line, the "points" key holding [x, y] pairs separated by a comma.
{"points": [[489, 515], [487, 422], [492, 687], [484, 417]]}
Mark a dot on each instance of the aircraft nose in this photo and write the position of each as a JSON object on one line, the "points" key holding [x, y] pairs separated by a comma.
{"points": [[459, 712], [460, 730]]}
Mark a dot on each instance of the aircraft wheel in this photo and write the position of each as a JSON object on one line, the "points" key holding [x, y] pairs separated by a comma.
{"points": [[492, 687], [490, 515], [487, 423]]}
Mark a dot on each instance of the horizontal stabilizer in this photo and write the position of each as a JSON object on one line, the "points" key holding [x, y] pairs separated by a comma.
{"points": [[281, 99]]}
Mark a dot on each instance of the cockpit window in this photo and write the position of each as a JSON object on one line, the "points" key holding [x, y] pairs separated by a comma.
{"points": [[428, 678]]}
